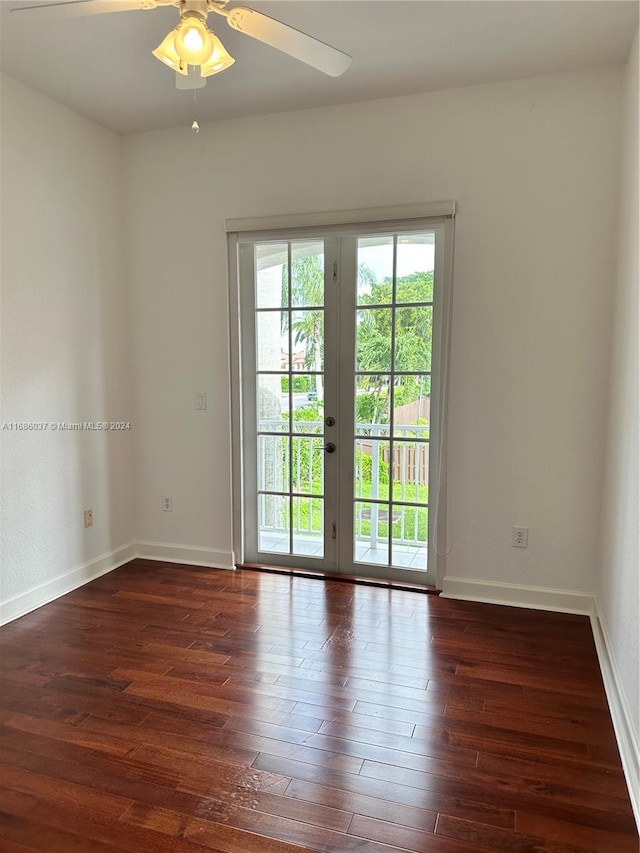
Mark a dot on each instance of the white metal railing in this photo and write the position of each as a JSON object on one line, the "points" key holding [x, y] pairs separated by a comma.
{"points": [[409, 467]]}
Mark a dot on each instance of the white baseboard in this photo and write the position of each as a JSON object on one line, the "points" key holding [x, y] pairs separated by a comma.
{"points": [[466, 589], [514, 595], [33, 598], [626, 735], [566, 601], [186, 554]]}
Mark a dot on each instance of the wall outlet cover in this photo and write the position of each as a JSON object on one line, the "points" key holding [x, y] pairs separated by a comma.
{"points": [[520, 537]]}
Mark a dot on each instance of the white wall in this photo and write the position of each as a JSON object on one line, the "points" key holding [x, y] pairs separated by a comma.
{"points": [[618, 592], [533, 167], [64, 350]]}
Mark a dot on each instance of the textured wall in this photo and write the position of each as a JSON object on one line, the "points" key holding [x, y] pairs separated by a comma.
{"points": [[64, 349], [618, 590], [533, 167]]}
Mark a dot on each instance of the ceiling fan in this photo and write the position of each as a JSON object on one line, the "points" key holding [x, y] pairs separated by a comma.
{"points": [[192, 45]]}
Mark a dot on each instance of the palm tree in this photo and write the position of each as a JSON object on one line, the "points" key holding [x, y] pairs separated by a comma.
{"points": [[307, 293]]}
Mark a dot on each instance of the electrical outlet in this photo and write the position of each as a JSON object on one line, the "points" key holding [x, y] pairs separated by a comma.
{"points": [[520, 537], [88, 518], [167, 503], [201, 402]]}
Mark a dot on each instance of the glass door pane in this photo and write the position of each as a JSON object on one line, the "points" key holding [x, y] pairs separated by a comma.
{"points": [[392, 393], [341, 392], [289, 329]]}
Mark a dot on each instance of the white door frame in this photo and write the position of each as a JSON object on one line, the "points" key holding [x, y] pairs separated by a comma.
{"points": [[321, 226]]}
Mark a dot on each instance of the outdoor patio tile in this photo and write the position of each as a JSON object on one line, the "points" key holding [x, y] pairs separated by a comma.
{"points": [[402, 558]]}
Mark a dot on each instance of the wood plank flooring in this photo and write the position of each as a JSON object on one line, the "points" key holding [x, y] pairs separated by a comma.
{"points": [[168, 708]]}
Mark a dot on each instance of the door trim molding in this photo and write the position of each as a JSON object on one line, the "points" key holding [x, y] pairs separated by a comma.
{"points": [[235, 378], [389, 213], [324, 225]]}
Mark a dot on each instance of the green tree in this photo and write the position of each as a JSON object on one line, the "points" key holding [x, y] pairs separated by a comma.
{"points": [[307, 291], [413, 338], [413, 332]]}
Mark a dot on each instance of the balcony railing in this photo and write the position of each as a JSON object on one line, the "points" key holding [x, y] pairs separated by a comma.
{"points": [[408, 471]]}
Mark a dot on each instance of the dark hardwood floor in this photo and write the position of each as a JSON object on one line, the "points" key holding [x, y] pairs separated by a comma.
{"points": [[166, 708]]}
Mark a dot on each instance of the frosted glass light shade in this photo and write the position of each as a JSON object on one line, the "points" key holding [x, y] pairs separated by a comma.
{"points": [[166, 52], [194, 42], [200, 42], [219, 60]]}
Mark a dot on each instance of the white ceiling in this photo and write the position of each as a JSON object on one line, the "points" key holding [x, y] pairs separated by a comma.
{"points": [[102, 67]]}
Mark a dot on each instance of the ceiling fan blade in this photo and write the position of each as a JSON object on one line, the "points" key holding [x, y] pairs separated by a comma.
{"points": [[78, 8], [287, 39]]}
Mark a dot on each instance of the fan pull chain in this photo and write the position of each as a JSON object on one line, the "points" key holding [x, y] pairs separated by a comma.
{"points": [[195, 127]]}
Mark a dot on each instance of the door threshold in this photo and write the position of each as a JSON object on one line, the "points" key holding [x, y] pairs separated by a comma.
{"points": [[358, 579]]}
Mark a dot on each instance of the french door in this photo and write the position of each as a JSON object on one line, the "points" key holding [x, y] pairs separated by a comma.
{"points": [[341, 346]]}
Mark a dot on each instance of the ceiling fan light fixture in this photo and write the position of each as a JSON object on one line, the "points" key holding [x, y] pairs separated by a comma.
{"points": [[194, 41], [166, 52], [219, 60]]}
